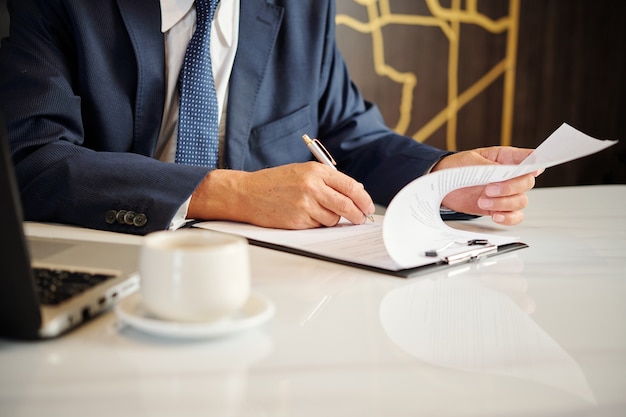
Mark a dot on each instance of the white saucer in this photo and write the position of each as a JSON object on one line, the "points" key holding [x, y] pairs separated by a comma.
{"points": [[257, 311]]}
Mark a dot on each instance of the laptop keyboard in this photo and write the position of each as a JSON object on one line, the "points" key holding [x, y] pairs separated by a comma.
{"points": [[56, 285]]}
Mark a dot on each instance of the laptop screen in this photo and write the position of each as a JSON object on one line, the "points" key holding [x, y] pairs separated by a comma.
{"points": [[19, 308]]}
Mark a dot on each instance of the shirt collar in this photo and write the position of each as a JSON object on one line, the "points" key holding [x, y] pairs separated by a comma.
{"points": [[173, 11]]}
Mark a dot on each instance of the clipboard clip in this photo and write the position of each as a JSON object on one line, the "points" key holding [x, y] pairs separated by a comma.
{"points": [[471, 255], [477, 248]]}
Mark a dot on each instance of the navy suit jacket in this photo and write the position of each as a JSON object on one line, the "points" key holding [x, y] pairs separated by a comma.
{"points": [[82, 90]]}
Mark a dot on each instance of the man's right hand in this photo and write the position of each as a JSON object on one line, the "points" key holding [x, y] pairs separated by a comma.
{"points": [[296, 196]]}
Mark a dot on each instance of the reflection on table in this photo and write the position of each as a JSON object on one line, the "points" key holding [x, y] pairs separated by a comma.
{"points": [[537, 332]]}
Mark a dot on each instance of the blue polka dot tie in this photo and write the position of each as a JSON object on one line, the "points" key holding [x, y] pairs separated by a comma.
{"points": [[198, 129]]}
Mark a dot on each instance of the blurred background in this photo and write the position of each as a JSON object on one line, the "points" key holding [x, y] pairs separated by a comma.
{"points": [[461, 74]]}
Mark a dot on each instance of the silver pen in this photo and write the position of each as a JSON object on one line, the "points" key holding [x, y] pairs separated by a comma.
{"points": [[322, 155], [319, 151]]}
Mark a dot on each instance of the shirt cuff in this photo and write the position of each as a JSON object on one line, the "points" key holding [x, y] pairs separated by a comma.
{"points": [[180, 218]]}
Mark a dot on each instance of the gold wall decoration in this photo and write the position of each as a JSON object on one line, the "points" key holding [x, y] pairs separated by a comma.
{"points": [[448, 19]]}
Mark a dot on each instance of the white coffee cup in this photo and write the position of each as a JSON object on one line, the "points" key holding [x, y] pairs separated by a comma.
{"points": [[194, 275]]}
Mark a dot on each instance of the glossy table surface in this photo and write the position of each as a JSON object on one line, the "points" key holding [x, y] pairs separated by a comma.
{"points": [[537, 332]]}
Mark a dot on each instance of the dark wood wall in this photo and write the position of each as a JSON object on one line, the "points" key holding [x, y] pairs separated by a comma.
{"points": [[571, 67]]}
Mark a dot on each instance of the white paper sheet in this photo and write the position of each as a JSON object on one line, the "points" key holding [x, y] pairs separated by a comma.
{"points": [[412, 221], [412, 224]]}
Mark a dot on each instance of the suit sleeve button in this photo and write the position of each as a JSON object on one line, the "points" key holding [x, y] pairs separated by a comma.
{"points": [[120, 216], [111, 216], [140, 220], [128, 217]]}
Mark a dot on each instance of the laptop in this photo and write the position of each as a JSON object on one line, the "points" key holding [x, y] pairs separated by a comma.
{"points": [[50, 286]]}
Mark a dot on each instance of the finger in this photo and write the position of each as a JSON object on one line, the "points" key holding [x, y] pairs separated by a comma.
{"points": [[516, 155], [322, 201], [340, 205], [518, 185], [349, 199], [311, 211], [505, 154], [508, 203], [325, 217], [507, 218], [307, 217]]}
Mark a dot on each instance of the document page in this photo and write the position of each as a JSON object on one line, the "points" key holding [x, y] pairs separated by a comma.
{"points": [[412, 224], [412, 221], [361, 244]]}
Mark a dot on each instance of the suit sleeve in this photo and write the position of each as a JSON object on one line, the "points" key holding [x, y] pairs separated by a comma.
{"points": [[69, 93]]}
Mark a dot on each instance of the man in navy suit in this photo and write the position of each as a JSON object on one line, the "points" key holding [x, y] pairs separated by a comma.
{"points": [[88, 92]]}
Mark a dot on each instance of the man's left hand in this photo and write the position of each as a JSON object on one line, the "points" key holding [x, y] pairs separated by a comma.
{"points": [[502, 201]]}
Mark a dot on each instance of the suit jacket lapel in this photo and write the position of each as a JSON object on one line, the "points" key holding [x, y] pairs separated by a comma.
{"points": [[261, 21], [143, 23]]}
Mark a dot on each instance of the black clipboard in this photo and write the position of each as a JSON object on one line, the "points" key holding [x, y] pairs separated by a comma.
{"points": [[440, 263]]}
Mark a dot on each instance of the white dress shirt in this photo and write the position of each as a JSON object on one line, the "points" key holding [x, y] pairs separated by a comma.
{"points": [[178, 22]]}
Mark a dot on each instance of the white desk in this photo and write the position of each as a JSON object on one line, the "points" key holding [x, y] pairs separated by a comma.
{"points": [[538, 332]]}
